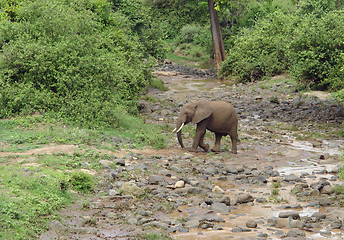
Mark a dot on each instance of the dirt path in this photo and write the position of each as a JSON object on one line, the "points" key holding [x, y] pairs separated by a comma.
{"points": [[288, 143]]}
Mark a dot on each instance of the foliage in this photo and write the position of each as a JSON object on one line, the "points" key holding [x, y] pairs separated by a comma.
{"points": [[143, 25], [31, 195], [306, 43], [259, 51], [173, 15], [75, 59], [316, 51], [82, 182]]}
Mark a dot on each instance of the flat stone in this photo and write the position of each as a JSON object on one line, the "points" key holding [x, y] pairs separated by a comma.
{"points": [[292, 214], [220, 207]]}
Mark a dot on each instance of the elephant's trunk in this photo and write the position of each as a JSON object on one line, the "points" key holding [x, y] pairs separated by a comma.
{"points": [[180, 140], [178, 129]]}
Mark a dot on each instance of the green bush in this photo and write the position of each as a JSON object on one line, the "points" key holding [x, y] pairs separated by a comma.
{"points": [[259, 51], [188, 32], [82, 182], [316, 51], [72, 61], [307, 45]]}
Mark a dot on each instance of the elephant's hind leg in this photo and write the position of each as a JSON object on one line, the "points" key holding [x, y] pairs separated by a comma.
{"points": [[217, 146], [234, 140]]}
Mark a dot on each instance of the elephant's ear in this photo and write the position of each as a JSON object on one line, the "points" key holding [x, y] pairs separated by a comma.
{"points": [[202, 112]]}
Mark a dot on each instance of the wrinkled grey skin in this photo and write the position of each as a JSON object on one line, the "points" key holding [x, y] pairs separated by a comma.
{"points": [[218, 117]]}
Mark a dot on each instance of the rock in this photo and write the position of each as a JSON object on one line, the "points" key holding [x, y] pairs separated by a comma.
{"points": [[324, 156], [210, 170], [292, 214], [212, 218], [336, 224], [217, 189], [132, 221], [206, 225], [113, 175], [251, 224], [295, 233], [218, 227], [291, 178], [281, 223], [328, 189], [179, 184], [220, 207], [325, 202], [296, 223], [226, 200], [156, 180], [230, 169], [105, 163], [262, 235], [243, 198], [113, 192], [130, 188], [182, 229], [193, 190], [172, 229], [241, 229], [120, 162], [317, 216], [192, 224]]}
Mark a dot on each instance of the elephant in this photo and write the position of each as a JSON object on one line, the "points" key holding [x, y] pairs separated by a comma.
{"points": [[219, 117]]}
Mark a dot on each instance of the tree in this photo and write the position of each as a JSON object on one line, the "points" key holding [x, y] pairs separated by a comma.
{"points": [[219, 49]]}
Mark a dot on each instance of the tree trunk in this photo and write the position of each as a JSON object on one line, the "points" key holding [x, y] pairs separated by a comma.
{"points": [[219, 49]]}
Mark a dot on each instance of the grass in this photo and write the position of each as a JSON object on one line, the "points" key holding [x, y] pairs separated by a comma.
{"points": [[159, 84], [33, 188], [202, 61], [21, 134]]}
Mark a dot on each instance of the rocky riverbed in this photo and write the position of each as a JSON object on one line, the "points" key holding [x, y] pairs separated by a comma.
{"points": [[282, 184]]}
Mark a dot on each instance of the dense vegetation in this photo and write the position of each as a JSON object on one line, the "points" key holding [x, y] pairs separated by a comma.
{"points": [[86, 61], [306, 42]]}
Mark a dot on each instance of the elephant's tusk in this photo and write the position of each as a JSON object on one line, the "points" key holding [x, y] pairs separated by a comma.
{"points": [[174, 129], [180, 127]]}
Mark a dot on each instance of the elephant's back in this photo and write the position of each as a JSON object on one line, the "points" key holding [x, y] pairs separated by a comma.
{"points": [[223, 118]]}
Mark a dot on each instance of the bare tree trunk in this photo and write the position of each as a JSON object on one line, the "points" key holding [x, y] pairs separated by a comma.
{"points": [[219, 49]]}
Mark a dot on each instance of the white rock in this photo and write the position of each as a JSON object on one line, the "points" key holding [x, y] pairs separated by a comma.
{"points": [[217, 189], [179, 184]]}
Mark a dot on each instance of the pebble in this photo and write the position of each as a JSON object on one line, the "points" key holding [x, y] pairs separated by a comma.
{"points": [[179, 184]]}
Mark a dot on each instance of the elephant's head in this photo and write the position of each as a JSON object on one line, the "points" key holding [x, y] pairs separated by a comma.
{"points": [[191, 112]]}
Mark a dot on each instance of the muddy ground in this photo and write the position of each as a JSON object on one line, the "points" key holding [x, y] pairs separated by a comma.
{"points": [[280, 185]]}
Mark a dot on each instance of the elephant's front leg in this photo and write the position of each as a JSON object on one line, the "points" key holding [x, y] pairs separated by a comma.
{"points": [[199, 135], [217, 146], [202, 144]]}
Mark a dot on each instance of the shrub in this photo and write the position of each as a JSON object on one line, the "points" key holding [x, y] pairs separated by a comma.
{"points": [[63, 59], [188, 32], [316, 51], [259, 51], [82, 182]]}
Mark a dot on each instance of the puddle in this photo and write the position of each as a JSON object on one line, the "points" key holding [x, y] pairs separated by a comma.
{"points": [[298, 170], [335, 147]]}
